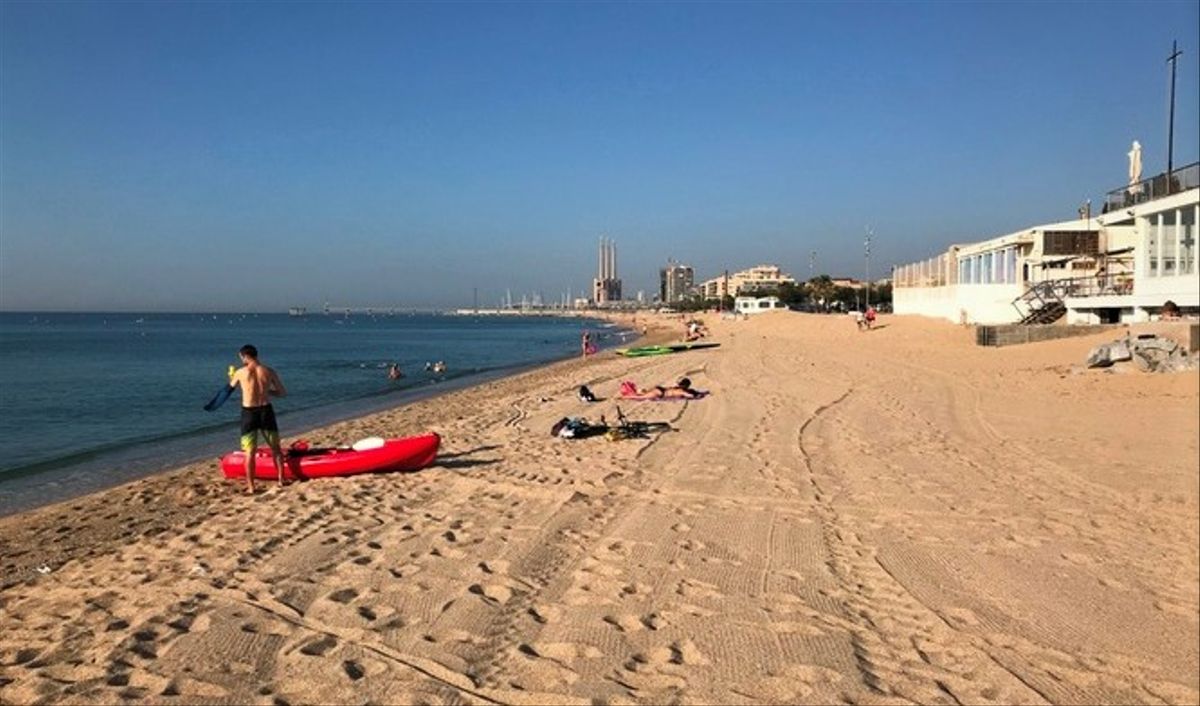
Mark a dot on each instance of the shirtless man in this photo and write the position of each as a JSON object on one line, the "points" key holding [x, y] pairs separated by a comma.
{"points": [[259, 383]]}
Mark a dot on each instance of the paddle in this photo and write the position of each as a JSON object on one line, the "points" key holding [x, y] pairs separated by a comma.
{"points": [[219, 398], [222, 395]]}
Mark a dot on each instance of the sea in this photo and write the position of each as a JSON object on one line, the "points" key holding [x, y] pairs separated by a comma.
{"points": [[92, 400]]}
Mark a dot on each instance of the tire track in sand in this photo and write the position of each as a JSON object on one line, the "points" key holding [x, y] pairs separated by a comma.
{"points": [[901, 647]]}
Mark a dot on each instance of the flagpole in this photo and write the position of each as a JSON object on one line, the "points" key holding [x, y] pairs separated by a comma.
{"points": [[1175, 54], [867, 257]]}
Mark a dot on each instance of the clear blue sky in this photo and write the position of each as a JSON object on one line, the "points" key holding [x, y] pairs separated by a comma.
{"points": [[251, 156]]}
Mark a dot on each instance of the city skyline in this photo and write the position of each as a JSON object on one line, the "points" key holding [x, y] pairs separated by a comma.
{"points": [[219, 156]]}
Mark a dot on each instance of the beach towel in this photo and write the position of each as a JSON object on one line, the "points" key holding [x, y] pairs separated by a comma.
{"points": [[699, 395]]}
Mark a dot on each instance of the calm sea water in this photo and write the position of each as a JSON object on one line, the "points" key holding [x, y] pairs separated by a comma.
{"points": [[90, 400]]}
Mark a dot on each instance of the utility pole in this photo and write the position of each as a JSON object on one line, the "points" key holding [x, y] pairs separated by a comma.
{"points": [[1175, 54], [812, 264], [867, 256]]}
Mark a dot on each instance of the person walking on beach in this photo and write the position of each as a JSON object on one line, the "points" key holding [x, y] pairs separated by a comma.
{"points": [[586, 344], [259, 384]]}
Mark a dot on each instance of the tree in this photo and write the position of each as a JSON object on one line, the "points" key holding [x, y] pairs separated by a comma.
{"points": [[821, 288], [791, 293], [881, 294]]}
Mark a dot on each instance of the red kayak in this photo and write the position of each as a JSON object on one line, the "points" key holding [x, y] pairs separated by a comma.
{"points": [[410, 454]]}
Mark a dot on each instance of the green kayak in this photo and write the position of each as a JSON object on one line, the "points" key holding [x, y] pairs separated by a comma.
{"points": [[663, 350]]}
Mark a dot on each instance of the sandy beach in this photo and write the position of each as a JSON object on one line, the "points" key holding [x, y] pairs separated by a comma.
{"points": [[897, 516]]}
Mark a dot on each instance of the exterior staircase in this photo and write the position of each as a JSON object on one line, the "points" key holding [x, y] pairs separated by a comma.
{"points": [[1041, 303]]}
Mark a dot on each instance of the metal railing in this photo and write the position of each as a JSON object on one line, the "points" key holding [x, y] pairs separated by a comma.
{"points": [[932, 272], [1155, 187], [1102, 284]]}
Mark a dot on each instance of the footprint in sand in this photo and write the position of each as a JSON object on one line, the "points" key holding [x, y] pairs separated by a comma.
{"points": [[584, 596], [459, 636], [634, 589], [691, 588], [679, 653], [447, 553], [1171, 606], [1077, 558], [343, 596], [624, 623], [494, 566], [632, 623], [493, 592], [318, 647], [405, 571], [545, 613], [592, 565], [792, 684], [961, 616], [565, 652], [353, 669]]}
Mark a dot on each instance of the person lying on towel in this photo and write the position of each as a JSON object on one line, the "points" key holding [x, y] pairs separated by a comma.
{"points": [[681, 390]]}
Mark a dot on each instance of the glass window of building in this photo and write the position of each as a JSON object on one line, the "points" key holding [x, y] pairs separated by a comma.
{"points": [[1152, 247], [1168, 236], [1187, 240]]}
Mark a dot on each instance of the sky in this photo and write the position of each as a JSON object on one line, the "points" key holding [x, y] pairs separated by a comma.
{"points": [[174, 156]]}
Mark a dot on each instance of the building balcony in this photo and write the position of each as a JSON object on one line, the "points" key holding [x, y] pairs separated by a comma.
{"points": [[1097, 285], [1155, 187]]}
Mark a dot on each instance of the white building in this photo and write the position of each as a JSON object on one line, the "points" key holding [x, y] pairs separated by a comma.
{"points": [[757, 305], [1122, 266], [990, 282], [1163, 256]]}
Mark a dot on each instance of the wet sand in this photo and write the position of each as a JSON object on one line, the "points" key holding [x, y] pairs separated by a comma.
{"points": [[886, 517]]}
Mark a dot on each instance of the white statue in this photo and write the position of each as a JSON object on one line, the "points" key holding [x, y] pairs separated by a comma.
{"points": [[1135, 163]]}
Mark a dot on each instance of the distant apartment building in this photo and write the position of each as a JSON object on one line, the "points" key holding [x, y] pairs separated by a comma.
{"points": [[763, 278], [675, 282]]}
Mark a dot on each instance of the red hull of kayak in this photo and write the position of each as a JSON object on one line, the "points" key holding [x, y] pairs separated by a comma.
{"points": [[409, 454]]}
